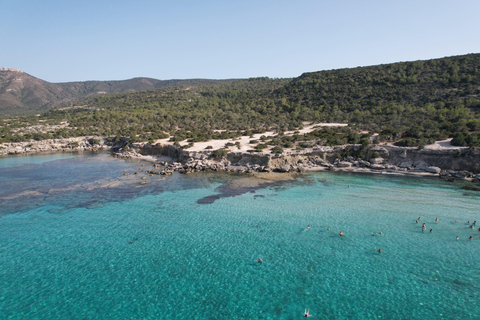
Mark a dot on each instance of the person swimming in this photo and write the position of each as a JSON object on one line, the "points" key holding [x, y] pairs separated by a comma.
{"points": [[423, 227], [306, 313], [341, 233], [457, 237], [431, 230], [308, 227], [259, 260], [436, 220]]}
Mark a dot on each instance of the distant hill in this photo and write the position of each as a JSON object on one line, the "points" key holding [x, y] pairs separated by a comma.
{"points": [[418, 102], [23, 94], [20, 93]]}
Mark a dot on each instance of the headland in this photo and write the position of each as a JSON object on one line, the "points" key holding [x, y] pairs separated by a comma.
{"points": [[437, 160]]}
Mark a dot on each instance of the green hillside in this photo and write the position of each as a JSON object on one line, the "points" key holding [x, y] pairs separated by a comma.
{"points": [[411, 102]]}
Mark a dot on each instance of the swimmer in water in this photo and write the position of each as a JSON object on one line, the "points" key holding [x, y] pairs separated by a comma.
{"points": [[418, 219], [457, 237], [328, 228], [436, 220], [308, 227], [470, 238], [307, 314], [378, 250], [423, 227], [259, 260], [341, 233], [431, 230]]}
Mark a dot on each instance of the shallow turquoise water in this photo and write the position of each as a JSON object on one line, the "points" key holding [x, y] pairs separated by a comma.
{"points": [[82, 241]]}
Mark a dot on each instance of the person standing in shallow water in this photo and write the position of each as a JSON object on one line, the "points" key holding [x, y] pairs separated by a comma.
{"points": [[436, 220], [424, 227]]}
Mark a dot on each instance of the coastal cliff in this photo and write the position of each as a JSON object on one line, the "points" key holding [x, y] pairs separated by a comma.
{"points": [[456, 163]]}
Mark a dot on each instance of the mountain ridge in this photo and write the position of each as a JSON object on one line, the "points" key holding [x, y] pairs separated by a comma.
{"points": [[23, 94]]}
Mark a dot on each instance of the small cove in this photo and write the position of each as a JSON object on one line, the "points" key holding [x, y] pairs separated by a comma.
{"points": [[81, 240]]}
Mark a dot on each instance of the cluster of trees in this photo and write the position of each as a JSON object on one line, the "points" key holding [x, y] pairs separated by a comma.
{"points": [[466, 139], [412, 103]]}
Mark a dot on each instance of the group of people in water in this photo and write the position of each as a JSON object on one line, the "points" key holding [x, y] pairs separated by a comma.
{"points": [[424, 227], [470, 225]]}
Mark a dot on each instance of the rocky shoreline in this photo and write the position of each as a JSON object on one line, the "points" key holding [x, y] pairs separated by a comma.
{"points": [[451, 164], [56, 145]]}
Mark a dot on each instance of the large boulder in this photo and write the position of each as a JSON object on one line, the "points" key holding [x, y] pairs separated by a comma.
{"points": [[344, 164], [433, 169], [379, 160], [406, 164], [284, 168], [420, 165]]}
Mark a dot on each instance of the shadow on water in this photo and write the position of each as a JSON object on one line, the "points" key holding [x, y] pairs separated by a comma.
{"points": [[226, 192], [240, 185]]}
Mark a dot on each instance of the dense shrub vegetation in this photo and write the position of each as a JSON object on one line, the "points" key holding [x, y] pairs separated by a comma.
{"points": [[411, 103]]}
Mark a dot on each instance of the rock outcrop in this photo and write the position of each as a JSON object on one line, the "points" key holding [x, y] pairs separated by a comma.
{"points": [[391, 160], [55, 145], [450, 164]]}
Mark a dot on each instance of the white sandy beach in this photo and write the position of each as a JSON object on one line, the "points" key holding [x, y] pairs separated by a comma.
{"points": [[245, 140]]}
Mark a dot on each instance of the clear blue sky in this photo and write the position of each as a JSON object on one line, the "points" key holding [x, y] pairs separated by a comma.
{"points": [[65, 40]]}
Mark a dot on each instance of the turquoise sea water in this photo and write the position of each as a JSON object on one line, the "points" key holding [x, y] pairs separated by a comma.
{"points": [[79, 240]]}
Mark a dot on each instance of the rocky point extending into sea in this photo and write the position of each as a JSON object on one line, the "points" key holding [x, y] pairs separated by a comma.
{"points": [[451, 164]]}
